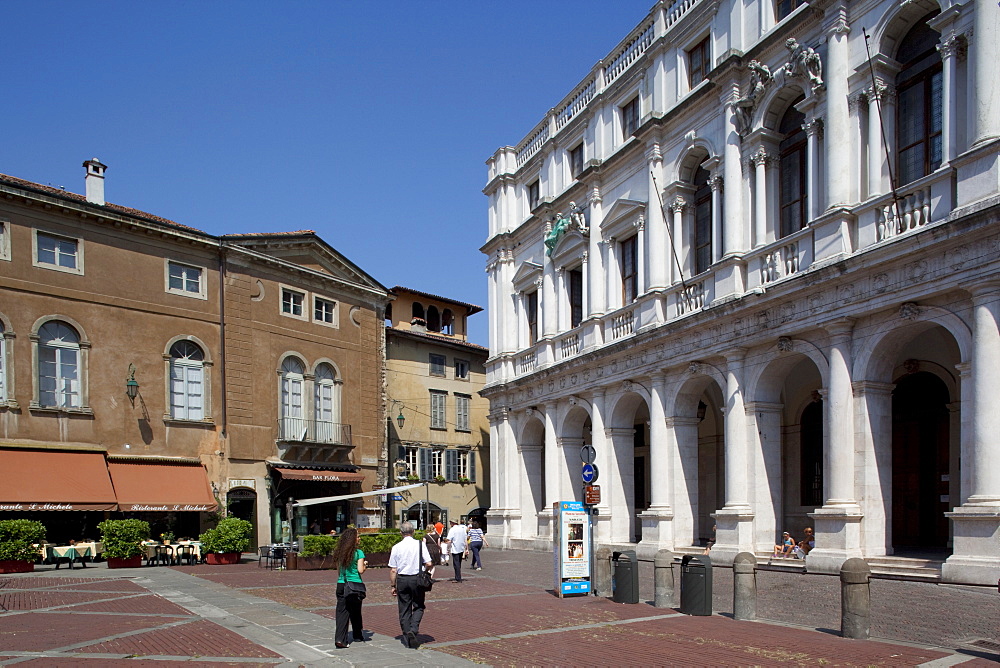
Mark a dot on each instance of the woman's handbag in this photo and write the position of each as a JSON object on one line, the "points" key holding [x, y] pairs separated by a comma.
{"points": [[355, 589], [424, 581]]}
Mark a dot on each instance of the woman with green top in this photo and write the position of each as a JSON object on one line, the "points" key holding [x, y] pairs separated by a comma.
{"points": [[351, 563]]}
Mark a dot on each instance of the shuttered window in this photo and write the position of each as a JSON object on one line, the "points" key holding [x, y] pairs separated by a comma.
{"points": [[438, 420]]}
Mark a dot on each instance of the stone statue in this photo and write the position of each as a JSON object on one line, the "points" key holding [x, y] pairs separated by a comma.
{"points": [[804, 63], [559, 227], [760, 79], [578, 217]]}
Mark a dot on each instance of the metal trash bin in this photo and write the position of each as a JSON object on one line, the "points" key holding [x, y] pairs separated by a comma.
{"points": [[696, 585], [625, 578]]}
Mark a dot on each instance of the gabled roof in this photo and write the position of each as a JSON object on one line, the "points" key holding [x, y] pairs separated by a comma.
{"points": [[305, 247], [471, 307]]}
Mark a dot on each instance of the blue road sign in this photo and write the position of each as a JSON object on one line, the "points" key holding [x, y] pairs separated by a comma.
{"points": [[589, 473]]}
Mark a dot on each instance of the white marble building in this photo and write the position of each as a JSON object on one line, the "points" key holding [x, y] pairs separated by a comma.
{"points": [[697, 265]]}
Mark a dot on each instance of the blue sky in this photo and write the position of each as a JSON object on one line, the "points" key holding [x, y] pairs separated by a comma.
{"points": [[367, 122]]}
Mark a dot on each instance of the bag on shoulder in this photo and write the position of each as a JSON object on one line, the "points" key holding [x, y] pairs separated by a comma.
{"points": [[424, 581], [355, 589]]}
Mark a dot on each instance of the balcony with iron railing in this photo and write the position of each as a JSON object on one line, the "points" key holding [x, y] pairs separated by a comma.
{"points": [[301, 439]]}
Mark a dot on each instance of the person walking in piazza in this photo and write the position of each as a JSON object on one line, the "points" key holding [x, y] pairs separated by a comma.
{"points": [[350, 560], [433, 541], [457, 545], [477, 539], [406, 560]]}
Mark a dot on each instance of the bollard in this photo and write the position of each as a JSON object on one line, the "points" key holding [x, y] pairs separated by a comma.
{"points": [[663, 579], [855, 599], [602, 572], [745, 586]]}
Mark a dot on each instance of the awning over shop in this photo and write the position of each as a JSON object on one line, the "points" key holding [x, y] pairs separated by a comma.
{"points": [[54, 480], [161, 487], [377, 492], [320, 475]]}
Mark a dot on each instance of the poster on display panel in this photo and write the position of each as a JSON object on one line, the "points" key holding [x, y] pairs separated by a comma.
{"points": [[572, 548]]}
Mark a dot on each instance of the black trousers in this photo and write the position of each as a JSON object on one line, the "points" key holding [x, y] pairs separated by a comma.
{"points": [[348, 610], [456, 562], [411, 603]]}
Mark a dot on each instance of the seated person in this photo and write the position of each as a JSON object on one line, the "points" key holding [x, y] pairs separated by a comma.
{"points": [[785, 549], [808, 541]]}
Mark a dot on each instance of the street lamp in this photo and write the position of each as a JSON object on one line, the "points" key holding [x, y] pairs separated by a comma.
{"points": [[131, 385], [400, 419]]}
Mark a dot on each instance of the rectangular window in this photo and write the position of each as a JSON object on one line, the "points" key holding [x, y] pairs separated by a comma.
{"points": [[630, 270], [56, 252], [531, 309], [413, 461], [291, 302], [437, 364], [325, 311], [699, 63], [185, 279], [424, 464], [186, 401], [786, 7], [534, 194], [467, 466], [462, 412], [576, 160], [437, 463], [575, 281], [4, 240], [461, 370], [438, 420], [630, 117]]}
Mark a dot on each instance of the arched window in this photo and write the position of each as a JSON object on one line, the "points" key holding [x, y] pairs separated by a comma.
{"points": [[187, 381], [418, 310], [433, 319], [702, 242], [447, 322], [792, 163], [58, 365], [293, 423], [327, 404], [919, 107]]}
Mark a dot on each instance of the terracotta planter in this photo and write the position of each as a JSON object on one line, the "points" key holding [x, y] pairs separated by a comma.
{"points": [[222, 558], [16, 566], [125, 562]]}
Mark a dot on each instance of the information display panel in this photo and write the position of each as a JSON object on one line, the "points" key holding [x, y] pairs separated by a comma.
{"points": [[572, 548]]}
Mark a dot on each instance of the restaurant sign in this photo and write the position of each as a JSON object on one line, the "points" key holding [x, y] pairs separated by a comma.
{"points": [[168, 507], [249, 482], [56, 506]]}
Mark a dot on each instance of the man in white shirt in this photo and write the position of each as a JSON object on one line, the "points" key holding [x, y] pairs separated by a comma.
{"points": [[404, 565], [457, 544]]}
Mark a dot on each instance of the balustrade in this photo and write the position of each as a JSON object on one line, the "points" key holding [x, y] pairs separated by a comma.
{"points": [[527, 363], [622, 324], [691, 298], [911, 211], [569, 346]]}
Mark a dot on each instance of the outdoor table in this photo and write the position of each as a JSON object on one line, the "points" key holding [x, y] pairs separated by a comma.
{"points": [[71, 553], [96, 548], [195, 544]]}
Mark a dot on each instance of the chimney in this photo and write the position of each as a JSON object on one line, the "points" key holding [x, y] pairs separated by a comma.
{"points": [[95, 181]]}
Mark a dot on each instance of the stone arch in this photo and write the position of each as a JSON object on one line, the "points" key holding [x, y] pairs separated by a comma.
{"points": [[686, 395], [700, 150], [898, 21], [764, 381], [622, 406], [531, 456], [775, 103], [573, 419], [885, 340]]}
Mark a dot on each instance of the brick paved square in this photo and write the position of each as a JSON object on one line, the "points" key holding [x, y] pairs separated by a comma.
{"points": [[39, 631], [198, 638]]}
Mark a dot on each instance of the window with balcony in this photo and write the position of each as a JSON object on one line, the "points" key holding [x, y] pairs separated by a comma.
{"points": [[462, 402], [699, 62], [438, 416], [293, 422], [919, 110], [630, 270], [185, 279], [574, 281], [534, 194], [630, 117], [702, 221], [437, 364], [792, 167], [187, 381], [59, 366], [576, 160], [326, 402], [59, 253]]}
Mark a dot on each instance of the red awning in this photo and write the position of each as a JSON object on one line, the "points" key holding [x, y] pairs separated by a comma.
{"points": [[161, 487], [54, 480], [320, 476]]}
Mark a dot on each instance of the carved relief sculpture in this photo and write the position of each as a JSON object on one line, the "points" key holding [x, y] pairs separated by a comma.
{"points": [[804, 63], [743, 108]]}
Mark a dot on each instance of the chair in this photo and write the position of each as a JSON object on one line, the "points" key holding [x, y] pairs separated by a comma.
{"points": [[265, 556], [278, 557], [185, 553], [163, 555]]}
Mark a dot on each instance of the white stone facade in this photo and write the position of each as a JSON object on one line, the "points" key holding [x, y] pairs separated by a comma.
{"points": [[697, 264]]}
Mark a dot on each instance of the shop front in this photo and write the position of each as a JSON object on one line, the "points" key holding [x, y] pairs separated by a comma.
{"points": [[292, 484]]}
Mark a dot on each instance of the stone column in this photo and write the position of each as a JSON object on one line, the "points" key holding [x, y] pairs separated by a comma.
{"points": [[948, 48], [983, 74], [585, 281], [767, 489], [813, 130], [602, 447], [873, 403], [562, 301], [511, 474], [640, 251], [733, 234], [877, 161], [719, 225], [553, 467], [760, 161], [685, 481], [612, 274], [598, 295], [837, 523], [838, 152], [621, 483], [734, 521], [656, 226], [656, 520], [677, 207], [547, 304]]}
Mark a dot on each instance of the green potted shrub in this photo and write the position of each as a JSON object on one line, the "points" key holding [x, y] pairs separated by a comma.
{"points": [[122, 540], [316, 554], [225, 543], [377, 546], [18, 538]]}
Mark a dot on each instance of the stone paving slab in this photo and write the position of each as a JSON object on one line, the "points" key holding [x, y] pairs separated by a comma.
{"points": [[148, 604]]}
